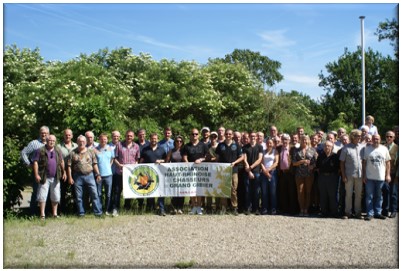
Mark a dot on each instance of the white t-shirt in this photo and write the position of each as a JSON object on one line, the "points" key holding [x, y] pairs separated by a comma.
{"points": [[376, 159], [268, 159]]}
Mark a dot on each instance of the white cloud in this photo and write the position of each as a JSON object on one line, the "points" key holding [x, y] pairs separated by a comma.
{"points": [[302, 79], [276, 38]]}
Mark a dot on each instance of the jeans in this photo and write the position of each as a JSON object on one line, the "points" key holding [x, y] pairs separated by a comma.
{"points": [[80, 181], [250, 186], [394, 195], [374, 197], [269, 191], [160, 202], [107, 182]]}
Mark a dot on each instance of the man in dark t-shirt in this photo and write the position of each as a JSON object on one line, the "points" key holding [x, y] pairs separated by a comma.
{"points": [[154, 154], [195, 151], [230, 152], [253, 154]]}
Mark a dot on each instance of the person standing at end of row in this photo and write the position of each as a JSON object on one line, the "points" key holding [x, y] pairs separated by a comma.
{"points": [[48, 168], [375, 171]]}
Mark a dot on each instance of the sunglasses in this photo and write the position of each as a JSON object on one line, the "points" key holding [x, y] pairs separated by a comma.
{"points": [[194, 134], [178, 141], [51, 155], [389, 136]]}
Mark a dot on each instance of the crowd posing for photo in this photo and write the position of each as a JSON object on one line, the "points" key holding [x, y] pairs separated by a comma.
{"points": [[338, 174]]}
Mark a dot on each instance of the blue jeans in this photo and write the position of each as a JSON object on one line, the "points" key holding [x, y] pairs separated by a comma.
{"points": [[80, 181], [269, 191], [394, 196], [390, 196], [160, 202], [250, 186], [373, 197], [107, 182]]}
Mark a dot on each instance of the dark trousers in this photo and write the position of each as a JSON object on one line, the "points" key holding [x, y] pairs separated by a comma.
{"points": [[287, 193], [117, 188], [241, 189], [328, 187], [33, 205], [178, 202], [390, 196], [341, 197]]}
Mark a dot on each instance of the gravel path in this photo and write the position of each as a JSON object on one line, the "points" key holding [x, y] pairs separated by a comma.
{"points": [[150, 241]]}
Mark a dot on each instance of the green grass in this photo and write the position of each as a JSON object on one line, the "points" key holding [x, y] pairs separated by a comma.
{"points": [[184, 265]]}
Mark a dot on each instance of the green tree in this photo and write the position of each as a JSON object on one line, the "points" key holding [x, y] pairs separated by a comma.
{"points": [[241, 95], [289, 110], [388, 30], [343, 89], [262, 67]]}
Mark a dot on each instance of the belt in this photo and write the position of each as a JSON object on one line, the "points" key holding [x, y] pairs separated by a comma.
{"points": [[327, 173]]}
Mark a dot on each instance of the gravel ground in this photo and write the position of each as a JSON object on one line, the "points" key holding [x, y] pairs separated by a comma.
{"points": [[210, 241]]}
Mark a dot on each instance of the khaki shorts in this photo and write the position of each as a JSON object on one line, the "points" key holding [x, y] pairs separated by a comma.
{"points": [[43, 190]]}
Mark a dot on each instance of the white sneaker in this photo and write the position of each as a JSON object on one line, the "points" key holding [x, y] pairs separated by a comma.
{"points": [[107, 213], [193, 211], [179, 212], [115, 213], [199, 211]]}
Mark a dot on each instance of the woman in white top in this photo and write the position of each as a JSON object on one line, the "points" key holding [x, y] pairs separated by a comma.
{"points": [[269, 178]]}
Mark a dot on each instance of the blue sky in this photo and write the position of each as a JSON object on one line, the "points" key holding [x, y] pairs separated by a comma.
{"points": [[303, 37]]}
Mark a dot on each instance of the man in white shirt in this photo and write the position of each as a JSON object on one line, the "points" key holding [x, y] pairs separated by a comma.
{"points": [[375, 171]]}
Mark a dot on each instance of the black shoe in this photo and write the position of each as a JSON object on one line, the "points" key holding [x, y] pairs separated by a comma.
{"points": [[264, 212], [247, 212], [393, 215], [368, 218], [257, 212], [235, 212], [380, 217]]}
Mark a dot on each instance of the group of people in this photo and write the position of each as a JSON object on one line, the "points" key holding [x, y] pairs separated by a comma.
{"points": [[331, 174]]}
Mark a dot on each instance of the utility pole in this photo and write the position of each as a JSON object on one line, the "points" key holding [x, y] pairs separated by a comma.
{"points": [[363, 68]]}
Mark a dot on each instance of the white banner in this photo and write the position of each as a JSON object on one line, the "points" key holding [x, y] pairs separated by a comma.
{"points": [[177, 180]]}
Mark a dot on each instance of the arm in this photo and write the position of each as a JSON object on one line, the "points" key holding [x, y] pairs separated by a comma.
{"points": [[36, 172], [64, 177], [257, 162], [25, 154], [168, 157], [388, 177], [240, 159], [96, 171], [364, 171], [69, 175], [342, 167], [247, 169], [275, 163]]}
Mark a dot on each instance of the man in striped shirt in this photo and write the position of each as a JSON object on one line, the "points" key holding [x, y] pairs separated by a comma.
{"points": [[125, 153], [26, 156]]}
